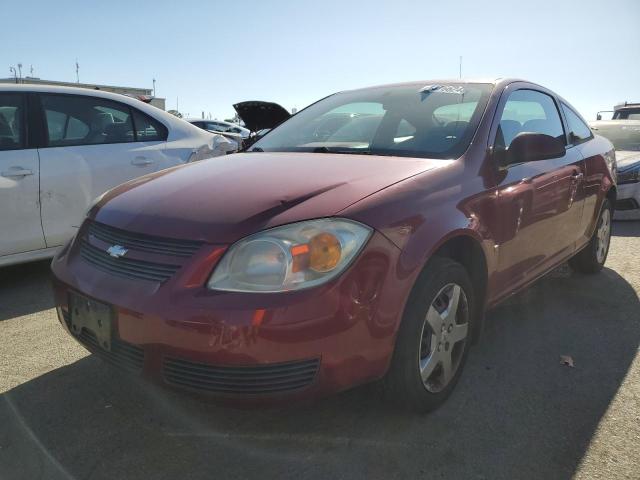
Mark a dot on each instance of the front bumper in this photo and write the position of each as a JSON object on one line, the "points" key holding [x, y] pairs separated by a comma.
{"points": [[628, 202], [248, 346]]}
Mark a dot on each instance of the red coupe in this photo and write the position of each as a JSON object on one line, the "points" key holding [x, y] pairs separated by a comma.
{"points": [[362, 239]]}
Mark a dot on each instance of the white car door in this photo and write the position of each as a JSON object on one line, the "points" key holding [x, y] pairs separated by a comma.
{"points": [[92, 146], [20, 228]]}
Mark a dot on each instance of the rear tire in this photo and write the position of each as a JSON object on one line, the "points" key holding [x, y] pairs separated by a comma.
{"points": [[433, 338], [592, 257]]}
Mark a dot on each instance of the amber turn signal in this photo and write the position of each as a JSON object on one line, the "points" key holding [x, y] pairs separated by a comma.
{"points": [[324, 252]]}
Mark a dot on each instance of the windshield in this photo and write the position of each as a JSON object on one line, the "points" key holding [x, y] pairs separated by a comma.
{"points": [[624, 136], [435, 121], [627, 114]]}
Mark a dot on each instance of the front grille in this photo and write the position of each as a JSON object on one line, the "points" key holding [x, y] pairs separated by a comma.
{"points": [[126, 267], [123, 355], [257, 379], [626, 204], [142, 242]]}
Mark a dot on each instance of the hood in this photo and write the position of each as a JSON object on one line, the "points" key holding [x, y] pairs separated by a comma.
{"points": [[258, 115], [626, 158], [224, 199]]}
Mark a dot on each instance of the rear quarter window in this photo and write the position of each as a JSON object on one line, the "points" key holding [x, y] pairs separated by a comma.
{"points": [[578, 130], [148, 129]]}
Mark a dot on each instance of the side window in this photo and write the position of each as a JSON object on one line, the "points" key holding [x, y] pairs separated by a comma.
{"points": [[455, 112], [529, 111], [80, 120], [63, 127], [360, 129], [215, 127], [148, 129], [405, 132], [578, 130], [11, 124]]}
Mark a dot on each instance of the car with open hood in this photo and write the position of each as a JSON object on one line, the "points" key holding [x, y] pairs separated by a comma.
{"points": [[362, 239], [259, 117]]}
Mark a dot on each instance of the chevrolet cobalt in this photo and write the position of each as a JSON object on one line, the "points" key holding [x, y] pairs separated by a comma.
{"points": [[362, 239]]}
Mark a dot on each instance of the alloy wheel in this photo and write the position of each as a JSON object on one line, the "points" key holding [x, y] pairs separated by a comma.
{"points": [[443, 337], [603, 235]]}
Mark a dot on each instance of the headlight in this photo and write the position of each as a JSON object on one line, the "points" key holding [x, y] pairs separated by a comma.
{"points": [[629, 175], [291, 257], [610, 160]]}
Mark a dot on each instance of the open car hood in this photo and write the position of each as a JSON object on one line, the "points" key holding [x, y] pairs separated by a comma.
{"points": [[258, 115]]}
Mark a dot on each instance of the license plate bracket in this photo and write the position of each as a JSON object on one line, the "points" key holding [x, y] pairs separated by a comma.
{"points": [[94, 316]]}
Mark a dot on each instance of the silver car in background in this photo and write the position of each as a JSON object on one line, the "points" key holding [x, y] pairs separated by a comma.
{"points": [[625, 136]]}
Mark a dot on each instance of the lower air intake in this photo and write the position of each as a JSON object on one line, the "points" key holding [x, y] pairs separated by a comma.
{"points": [[255, 379]]}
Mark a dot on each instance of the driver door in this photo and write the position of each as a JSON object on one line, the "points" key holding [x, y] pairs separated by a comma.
{"points": [[20, 229], [541, 201]]}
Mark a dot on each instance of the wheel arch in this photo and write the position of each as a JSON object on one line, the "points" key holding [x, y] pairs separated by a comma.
{"points": [[612, 195], [464, 247]]}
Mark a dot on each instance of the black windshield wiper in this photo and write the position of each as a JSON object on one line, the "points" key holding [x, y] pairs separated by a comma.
{"points": [[354, 151]]}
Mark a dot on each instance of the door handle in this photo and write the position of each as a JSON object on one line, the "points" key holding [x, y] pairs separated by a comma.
{"points": [[577, 176], [17, 172], [141, 161]]}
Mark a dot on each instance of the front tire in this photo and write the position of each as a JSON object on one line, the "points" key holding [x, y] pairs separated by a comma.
{"points": [[433, 339], [591, 258]]}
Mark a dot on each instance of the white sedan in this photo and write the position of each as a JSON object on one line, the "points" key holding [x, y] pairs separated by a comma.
{"points": [[62, 147]]}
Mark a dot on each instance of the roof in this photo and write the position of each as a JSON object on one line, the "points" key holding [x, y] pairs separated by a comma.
{"points": [[622, 106], [39, 81], [492, 81], [26, 87]]}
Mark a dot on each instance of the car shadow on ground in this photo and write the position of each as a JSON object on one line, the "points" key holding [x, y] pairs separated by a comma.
{"points": [[516, 413], [25, 289], [626, 228]]}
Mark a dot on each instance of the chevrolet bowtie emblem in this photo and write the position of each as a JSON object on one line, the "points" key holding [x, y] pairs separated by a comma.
{"points": [[117, 251]]}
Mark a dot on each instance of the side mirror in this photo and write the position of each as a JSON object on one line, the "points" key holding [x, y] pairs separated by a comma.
{"points": [[599, 116], [531, 147]]}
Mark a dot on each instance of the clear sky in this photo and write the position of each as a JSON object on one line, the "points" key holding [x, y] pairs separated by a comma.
{"points": [[212, 54]]}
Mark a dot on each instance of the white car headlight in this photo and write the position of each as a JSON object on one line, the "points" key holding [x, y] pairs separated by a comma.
{"points": [[291, 257], [610, 159]]}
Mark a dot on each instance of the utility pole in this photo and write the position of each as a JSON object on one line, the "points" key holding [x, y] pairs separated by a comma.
{"points": [[460, 69], [31, 70], [77, 72], [15, 73], [20, 71], [154, 87]]}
